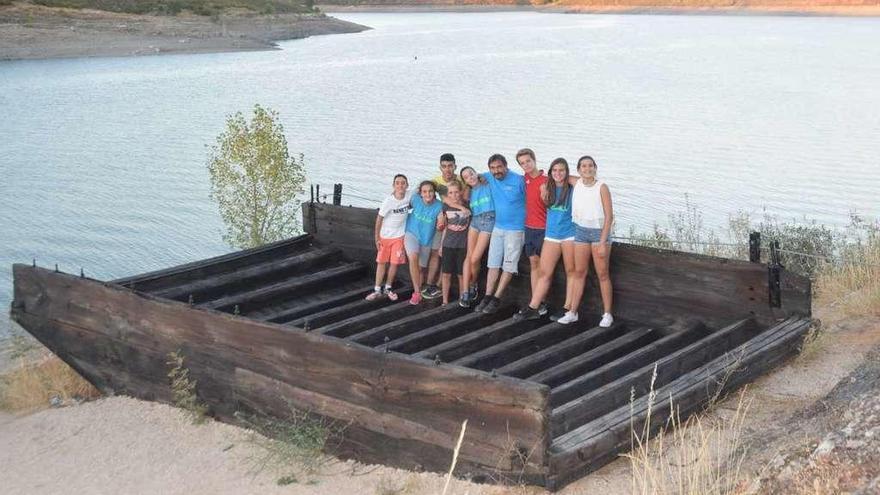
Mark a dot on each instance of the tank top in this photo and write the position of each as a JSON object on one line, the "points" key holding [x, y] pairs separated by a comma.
{"points": [[559, 224], [586, 205]]}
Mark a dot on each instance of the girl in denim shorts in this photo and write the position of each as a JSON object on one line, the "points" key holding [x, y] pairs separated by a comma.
{"points": [[482, 222], [593, 216]]}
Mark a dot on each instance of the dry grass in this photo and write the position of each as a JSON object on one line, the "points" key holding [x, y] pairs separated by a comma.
{"points": [[37, 382], [700, 456], [852, 288]]}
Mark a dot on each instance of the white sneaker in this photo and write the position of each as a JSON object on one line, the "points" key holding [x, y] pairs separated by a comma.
{"points": [[607, 320], [568, 317]]}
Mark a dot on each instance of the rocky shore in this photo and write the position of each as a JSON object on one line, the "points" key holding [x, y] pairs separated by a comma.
{"points": [[34, 32]]}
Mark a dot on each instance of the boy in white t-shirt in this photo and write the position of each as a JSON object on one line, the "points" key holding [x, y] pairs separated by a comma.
{"points": [[389, 231]]}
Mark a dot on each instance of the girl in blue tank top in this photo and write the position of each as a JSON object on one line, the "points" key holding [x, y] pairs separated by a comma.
{"points": [[482, 222], [558, 240]]}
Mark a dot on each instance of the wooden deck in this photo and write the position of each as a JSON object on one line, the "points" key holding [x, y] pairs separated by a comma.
{"points": [[286, 326]]}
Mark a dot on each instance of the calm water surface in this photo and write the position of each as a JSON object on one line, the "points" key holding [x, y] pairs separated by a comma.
{"points": [[102, 161]]}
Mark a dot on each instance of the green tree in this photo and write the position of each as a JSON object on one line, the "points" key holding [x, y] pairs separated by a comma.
{"points": [[255, 181]]}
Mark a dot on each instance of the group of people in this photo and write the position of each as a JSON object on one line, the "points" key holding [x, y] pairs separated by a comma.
{"points": [[546, 216]]}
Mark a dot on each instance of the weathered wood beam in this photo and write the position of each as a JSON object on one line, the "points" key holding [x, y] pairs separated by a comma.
{"points": [[121, 339], [216, 285], [247, 301], [290, 310], [598, 402], [592, 445], [481, 339], [594, 358], [343, 311], [370, 319], [167, 277], [442, 332], [398, 328], [508, 351], [570, 390], [559, 352]]}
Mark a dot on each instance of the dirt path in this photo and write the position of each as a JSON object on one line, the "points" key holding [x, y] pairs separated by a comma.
{"points": [[34, 32]]}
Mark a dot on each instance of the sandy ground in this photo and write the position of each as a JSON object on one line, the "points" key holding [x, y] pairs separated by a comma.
{"points": [[123, 445], [34, 32]]}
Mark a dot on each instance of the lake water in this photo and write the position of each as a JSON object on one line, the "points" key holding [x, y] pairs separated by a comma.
{"points": [[102, 161]]}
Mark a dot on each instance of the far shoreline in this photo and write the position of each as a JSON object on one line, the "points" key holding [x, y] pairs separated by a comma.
{"points": [[32, 32]]}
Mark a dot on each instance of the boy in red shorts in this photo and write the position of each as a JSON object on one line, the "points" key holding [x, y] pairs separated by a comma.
{"points": [[389, 231]]}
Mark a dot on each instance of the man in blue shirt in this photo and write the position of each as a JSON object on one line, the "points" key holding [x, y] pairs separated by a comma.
{"points": [[506, 243]]}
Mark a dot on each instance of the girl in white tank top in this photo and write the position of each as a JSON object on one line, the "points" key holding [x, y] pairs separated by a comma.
{"points": [[590, 211], [586, 205]]}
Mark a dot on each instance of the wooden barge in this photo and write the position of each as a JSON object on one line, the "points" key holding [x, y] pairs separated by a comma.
{"points": [[286, 326]]}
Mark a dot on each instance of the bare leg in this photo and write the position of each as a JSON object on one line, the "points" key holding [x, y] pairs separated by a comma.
{"points": [[476, 258], [534, 272], [392, 274], [415, 271], [550, 253], [492, 280], [446, 278], [468, 272], [380, 274], [600, 261], [568, 263], [433, 267], [581, 267], [462, 287], [503, 282]]}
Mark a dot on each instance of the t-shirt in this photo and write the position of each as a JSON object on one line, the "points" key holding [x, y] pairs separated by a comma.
{"points": [[509, 196], [422, 220], [536, 211], [440, 184], [481, 200], [457, 222], [394, 212], [559, 224]]}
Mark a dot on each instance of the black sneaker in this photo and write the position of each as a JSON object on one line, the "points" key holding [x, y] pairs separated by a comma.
{"points": [[492, 306], [558, 315], [543, 309], [526, 313], [431, 292], [474, 291], [465, 300], [480, 307]]}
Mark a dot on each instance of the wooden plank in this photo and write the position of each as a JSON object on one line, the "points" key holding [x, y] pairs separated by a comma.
{"points": [[570, 390], [504, 412], [559, 352], [290, 310], [397, 328], [166, 277], [444, 331], [370, 319], [481, 339], [586, 449], [528, 343], [594, 358], [249, 300], [598, 402], [344, 311], [217, 285]]}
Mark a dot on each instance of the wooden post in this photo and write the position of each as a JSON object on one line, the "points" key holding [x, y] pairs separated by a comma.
{"points": [[774, 273], [312, 189], [337, 194], [755, 247], [318, 192]]}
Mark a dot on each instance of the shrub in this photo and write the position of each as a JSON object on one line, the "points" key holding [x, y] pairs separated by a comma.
{"points": [[183, 388]]}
